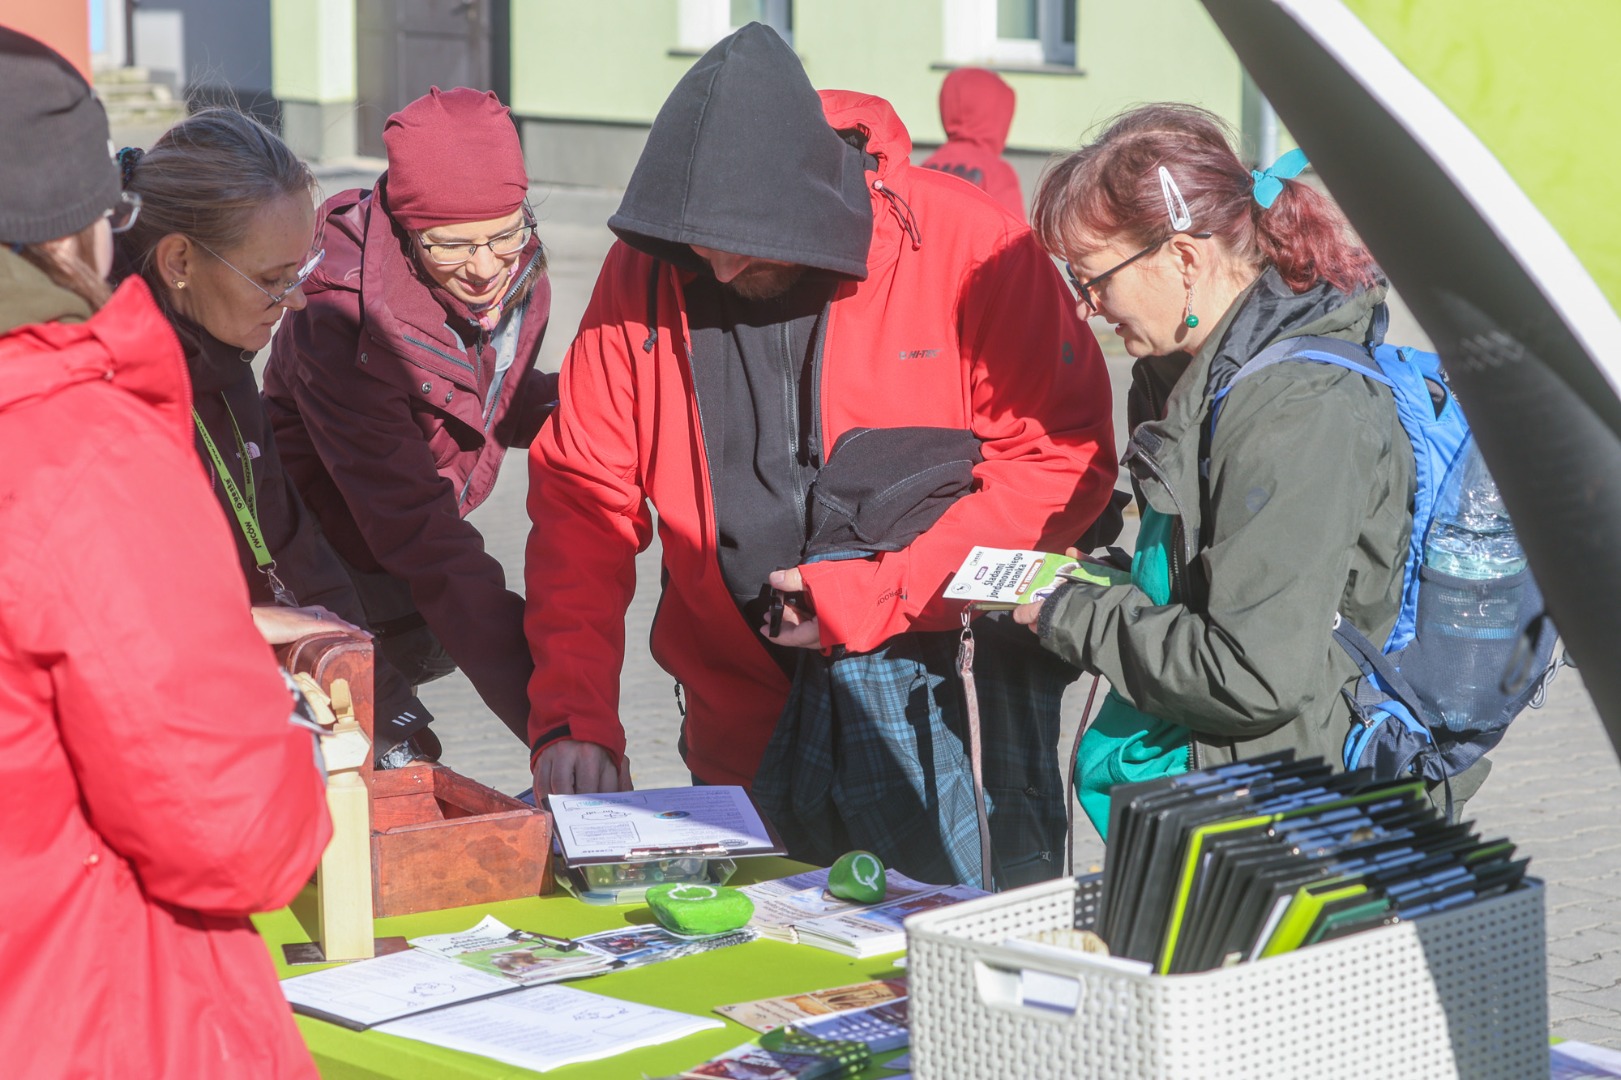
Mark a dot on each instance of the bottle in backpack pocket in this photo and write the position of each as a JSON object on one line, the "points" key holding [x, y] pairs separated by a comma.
{"points": [[1470, 548]]}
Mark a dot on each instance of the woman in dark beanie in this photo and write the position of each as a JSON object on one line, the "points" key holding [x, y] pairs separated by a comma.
{"points": [[398, 389], [153, 790], [225, 241]]}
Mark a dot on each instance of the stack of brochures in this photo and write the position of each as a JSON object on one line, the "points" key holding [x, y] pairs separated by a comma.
{"points": [[1255, 858], [800, 909], [813, 1006]]}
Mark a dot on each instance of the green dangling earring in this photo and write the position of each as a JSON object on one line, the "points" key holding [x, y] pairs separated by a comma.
{"points": [[1189, 319]]}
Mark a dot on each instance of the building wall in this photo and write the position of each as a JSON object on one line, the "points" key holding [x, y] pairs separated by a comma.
{"points": [[226, 48], [587, 79], [65, 27], [313, 42]]}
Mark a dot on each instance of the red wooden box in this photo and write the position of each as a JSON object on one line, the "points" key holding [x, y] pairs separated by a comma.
{"points": [[438, 838], [441, 840]]}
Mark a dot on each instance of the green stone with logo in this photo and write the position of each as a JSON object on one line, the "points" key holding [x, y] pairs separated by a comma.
{"points": [[858, 876], [696, 910]]}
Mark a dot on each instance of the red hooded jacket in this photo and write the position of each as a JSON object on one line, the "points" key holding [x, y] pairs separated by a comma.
{"points": [[962, 322], [153, 791], [976, 109], [392, 421]]}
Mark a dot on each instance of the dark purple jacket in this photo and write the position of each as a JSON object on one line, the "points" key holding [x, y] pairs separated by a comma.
{"points": [[392, 421]]}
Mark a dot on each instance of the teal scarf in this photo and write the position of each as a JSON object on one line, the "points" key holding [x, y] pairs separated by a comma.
{"points": [[1124, 745]]}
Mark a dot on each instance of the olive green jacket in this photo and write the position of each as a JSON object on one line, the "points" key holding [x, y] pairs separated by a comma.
{"points": [[1306, 513]]}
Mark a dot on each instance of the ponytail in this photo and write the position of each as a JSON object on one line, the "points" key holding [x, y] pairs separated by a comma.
{"points": [[1112, 187]]}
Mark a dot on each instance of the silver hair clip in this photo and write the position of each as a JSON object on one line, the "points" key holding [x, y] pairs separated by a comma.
{"points": [[1175, 205]]}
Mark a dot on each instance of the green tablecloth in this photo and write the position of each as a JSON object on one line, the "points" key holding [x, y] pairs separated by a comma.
{"points": [[694, 984]]}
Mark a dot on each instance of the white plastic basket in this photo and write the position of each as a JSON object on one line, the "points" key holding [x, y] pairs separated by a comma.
{"points": [[1459, 994]]}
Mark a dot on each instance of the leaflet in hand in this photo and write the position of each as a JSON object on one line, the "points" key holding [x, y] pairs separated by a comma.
{"points": [[996, 579]]}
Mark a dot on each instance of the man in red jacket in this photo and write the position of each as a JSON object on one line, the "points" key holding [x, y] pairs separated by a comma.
{"points": [[783, 276], [397, 390], [976, 109]]}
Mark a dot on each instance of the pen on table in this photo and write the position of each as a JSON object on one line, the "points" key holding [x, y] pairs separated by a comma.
{"points": [[561, 944]]}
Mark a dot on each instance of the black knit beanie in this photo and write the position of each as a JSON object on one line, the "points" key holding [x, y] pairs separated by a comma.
{"points": [[57, 173]]}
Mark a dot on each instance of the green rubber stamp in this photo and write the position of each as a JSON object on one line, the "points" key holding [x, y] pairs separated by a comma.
{"points": [[858, 876], [697, 910]]}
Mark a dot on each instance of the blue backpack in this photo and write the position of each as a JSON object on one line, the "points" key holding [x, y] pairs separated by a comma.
{"points": [[1414, 681]]}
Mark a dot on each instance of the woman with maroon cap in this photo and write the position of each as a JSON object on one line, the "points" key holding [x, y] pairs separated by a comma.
{"points": [[396, 392]]}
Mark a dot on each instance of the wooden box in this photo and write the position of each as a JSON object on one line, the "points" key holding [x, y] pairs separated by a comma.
{"points": [[438, 839], [441, 840]]}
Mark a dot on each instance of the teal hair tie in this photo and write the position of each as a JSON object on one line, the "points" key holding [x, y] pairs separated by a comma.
{"points": [[1270, 182]]}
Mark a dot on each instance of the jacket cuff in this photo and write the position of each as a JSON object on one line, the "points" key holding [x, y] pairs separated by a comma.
{"points": [[1062, 624], [557, 734], [563, 731], [847, 609]]}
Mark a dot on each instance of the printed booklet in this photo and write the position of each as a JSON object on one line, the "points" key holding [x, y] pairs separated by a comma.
{"points": [[799, 909]]}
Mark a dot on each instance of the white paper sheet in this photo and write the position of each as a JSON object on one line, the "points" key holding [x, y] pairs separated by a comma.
{"points": [[549, 1026], [371, 991], [613, 826]]}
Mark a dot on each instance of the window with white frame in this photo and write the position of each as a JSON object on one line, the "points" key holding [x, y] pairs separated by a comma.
{"points": [[1011, 32], [704, 22]]}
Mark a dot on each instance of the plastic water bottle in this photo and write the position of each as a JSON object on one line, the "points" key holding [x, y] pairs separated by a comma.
{"points": [[1471, 538]]}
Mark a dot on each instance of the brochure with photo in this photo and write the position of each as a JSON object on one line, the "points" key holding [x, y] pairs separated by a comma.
{"points": [[770, 1013], [529, 958]]}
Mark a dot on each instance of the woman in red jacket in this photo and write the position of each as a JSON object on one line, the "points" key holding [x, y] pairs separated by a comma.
{"points": [[153, 789], [397, 391], [225, 241]]}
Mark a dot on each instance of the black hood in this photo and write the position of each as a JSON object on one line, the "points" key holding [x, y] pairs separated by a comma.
{"points": [[741, 159]]}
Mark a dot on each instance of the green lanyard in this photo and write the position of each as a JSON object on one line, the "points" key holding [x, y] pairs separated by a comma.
{"points": [[244, 508]]}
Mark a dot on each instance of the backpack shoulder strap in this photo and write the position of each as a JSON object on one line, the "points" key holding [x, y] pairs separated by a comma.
{"points": [[1322, 350]]}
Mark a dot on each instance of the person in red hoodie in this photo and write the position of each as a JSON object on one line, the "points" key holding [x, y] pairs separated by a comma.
{"points": [[783, 276], [153, 789], [976, 109], [397, 390]]}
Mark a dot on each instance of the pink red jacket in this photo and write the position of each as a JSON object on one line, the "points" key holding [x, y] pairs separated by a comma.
{"points": [[153, 791], [392, 420], [962, 322], [976, 109]]}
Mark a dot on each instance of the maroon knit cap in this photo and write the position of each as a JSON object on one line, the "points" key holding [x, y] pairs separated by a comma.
{"points": [[453, 157]]}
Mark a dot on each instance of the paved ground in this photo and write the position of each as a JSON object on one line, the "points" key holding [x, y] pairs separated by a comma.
{"points": [[1556, 789]]}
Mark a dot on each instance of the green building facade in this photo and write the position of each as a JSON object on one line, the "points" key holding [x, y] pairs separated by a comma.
{"points": [[585, 78]]}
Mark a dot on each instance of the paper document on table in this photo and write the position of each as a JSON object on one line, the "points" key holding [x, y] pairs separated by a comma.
{"points": [[769, 1013], [545, 1027], [369, 992], [1583, 1061], [714, 821], [780, 905], [872, 931], [497, 949]]}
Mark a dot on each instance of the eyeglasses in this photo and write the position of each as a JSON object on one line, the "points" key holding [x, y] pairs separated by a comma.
{"points": [[302, 276], [1084, 289], [121, 218], [460, 253]]}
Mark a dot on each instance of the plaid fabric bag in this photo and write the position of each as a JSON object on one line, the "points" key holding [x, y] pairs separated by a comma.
{"points": [[871, 753]]}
